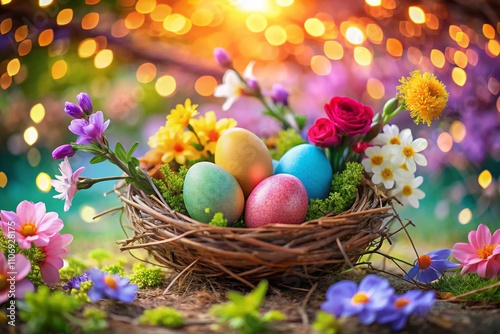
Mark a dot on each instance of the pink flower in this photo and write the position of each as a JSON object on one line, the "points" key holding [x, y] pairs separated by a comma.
{"points": [[31, 223], [66, 183], [323, 133], [54, 252], [349, 116], [482, 255], [360, 147], [13, 273]]}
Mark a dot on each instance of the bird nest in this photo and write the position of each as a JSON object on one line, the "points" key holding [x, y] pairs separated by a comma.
{"points": [[274, 252]]}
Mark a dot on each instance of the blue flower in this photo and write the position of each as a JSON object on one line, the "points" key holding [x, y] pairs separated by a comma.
{"points": [[110, 286], [345, 298], [75, 282], [401, 307], [429, 267]]}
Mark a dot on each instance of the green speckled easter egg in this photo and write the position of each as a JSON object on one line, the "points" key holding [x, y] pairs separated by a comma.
{"points": [[210, 186]]}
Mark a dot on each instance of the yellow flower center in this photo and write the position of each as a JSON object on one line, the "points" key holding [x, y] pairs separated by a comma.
{"points": [[110, 281], [28, 229], [3, 282], [424, 261], [408, 151], [377, 160], [401, 302], [407, 190], [360, 298], [404, 167], [486, 251], [395, 141], [386, 174]]}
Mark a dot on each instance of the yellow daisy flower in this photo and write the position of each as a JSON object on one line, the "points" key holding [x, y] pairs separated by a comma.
{"points": [[209, 129], [423, 95], [180, 116], [174, 145]]}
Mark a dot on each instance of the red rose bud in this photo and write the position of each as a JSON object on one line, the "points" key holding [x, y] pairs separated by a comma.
{"points": [[361, 146], [73, 110], [279, 94], [63, 151], [85, 102], [223, 58], [323, 133], [349, 115]]}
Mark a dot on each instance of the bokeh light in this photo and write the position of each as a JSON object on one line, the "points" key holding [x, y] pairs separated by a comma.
{"points": [[465, 216], [165, 85], [30, 135], [484, 179], [37, 113], [103, 59]]}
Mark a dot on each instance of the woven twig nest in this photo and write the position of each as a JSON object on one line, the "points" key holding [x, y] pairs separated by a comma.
{"points": [[313, 249]]}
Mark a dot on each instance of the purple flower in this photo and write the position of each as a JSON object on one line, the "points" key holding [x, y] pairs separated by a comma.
{"points": [[223, 58], [345, 298], [85, 102], [429, 267], [279, 94], [401, 307], [63, 151], [76, 281], [73, 110], [110, 286], [91, 130]]}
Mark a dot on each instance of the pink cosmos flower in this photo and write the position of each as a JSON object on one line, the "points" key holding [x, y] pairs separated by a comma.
{"points": [[31, 223], [16, 270], [482, 254], [54, 252], [66, 183]]}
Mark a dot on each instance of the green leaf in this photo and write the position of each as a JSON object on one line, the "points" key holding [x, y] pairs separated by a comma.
{"points": [[120, 152], [273, 315], [301, 121], [132, 150], [97, 159]]}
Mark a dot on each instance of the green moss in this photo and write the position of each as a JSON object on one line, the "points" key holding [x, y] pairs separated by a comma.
{"points": [[146, 277], [44, 312], [342, 195], [218, 220], [459, 284], [162, 316], [171, 187], [117, 268], [94, 313], [81, 294], [74, 268], [285, 141]]}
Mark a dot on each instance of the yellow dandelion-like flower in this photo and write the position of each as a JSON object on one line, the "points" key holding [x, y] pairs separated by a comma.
{"points": [[423, 95], [209, 129], [174, 145], [180, 116]]}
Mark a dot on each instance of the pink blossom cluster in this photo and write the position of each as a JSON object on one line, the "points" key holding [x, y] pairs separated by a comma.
{"points": [[31, 226]]}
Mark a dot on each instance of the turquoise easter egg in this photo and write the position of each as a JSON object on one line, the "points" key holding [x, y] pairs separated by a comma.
{"points": [[210, 186], [311, 166], [278, 199], [275, 165]]}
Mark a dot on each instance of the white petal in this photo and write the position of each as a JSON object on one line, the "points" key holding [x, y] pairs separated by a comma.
{"points": [[420, 159], [419, 144], [229, 102], [419, 194], [248, 73], [398, 159], [413, 202], [410, 164], [406, 136], [418, 181], [376, 179], [366, 165], [388, 184]]}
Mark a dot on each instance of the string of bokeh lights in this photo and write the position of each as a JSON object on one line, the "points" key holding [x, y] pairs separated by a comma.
{"points": [[272, 31]]}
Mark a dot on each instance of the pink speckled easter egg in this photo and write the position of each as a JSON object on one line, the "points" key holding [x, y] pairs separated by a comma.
{"points": [[278, 199]]}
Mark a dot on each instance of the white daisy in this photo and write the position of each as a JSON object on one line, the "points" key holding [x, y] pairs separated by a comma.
{"points": [[407, 153], [408, 192], [232, 86], [384, 174], [376, 156], [389, 136]]}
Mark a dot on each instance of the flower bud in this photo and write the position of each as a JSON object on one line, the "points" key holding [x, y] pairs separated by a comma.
{"points": [[85, 102], [360, 147], [63, 151], [390, 106], [279, 94], [253, 87], [73, 110], [223, 58]]}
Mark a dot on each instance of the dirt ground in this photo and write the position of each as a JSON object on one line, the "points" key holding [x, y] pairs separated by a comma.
{"points": [[300, 304]]}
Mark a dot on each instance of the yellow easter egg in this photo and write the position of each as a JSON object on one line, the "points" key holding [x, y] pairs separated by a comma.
{"points": [[245, 156]]}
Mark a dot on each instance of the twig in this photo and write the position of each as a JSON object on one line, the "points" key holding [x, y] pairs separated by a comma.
{"points": [[179, 275]]}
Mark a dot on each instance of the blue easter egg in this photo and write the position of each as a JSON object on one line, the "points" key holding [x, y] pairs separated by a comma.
{"points": [[275, 165], [310, 165]]}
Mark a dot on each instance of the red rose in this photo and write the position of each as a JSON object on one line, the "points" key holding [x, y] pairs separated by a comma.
{"points": [[360, 147], [349, 116], [323, 133]]}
